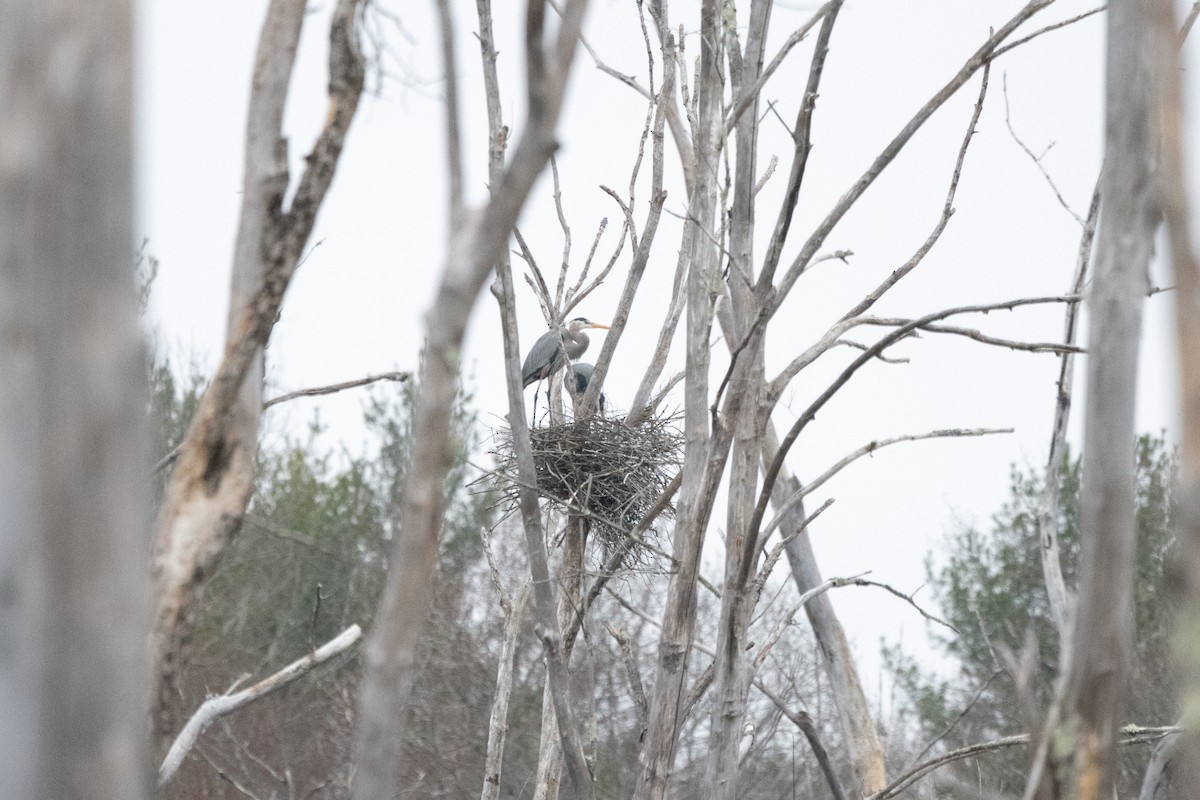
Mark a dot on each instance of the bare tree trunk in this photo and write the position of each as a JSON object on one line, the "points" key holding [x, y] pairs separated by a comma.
{"points": [[1103, 632], [864, 750], [206, 496], [498, 722], [570, 583], [679, 617], [731, 665], [74, 595]]}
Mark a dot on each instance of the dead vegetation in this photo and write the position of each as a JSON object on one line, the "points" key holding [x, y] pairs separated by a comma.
{"points": [[601, 469]]}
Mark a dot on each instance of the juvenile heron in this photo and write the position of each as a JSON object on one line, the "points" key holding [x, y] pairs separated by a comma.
{"points": [[553, 349], [582, 372]]}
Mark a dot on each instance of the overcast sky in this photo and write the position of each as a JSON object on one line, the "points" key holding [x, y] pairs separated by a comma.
{"points": [[356, 305]]}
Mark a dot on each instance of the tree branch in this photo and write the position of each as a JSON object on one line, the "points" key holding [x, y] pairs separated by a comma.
{"points": [[231, 701], [333, 388]]}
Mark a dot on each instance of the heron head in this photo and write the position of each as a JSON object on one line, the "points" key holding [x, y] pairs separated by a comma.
{"points": [[579, 323]]}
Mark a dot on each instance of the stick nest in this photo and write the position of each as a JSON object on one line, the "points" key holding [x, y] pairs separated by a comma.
{"points": [[600, 468]]}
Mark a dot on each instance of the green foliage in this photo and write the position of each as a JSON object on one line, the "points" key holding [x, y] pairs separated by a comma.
{"points": [[313, 526], [989, 586]]}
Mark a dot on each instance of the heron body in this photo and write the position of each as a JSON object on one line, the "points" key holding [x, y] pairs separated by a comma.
{"points": [[582, 372], [553, 349]]}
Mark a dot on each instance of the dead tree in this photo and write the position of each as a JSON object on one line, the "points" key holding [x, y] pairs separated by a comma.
{"points": [[738, 413], [74, 596], [206, 496], [1103, 630]]}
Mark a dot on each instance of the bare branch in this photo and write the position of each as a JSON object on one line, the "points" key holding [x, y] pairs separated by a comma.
{"points": [[810, 413], [566, 231], [966, 710], [778, 384], [583, 273], [921, 770], [804, 722], [1188, 22], [631, 670], [772, 557], [1130, 735], [227, 703], [577, 295], [454, 156], [971, 333], [1036, 159], [317, 391], [750, 93], [538, 281], [1162, 761], [889, 153], [908, 598], [943, 220], [870, 449], [641, 255], [1047, 518], [399, 377], [1056, 26], [802, 137], [767, 173]]}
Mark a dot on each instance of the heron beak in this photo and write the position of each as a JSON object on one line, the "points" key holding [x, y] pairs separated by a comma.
{"points": [[597, 325]]}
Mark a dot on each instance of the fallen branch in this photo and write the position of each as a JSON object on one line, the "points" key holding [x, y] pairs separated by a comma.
{"points": [[227, 703]]}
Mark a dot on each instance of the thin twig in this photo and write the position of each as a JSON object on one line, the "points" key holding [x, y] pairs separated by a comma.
{"points": [[1036, 159], [1056, 26]]}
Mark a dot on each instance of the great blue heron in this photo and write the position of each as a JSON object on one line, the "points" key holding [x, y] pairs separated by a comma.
{"points": [[553, 349], [582, 372]]}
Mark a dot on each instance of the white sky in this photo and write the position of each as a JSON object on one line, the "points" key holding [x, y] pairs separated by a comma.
{"points": [[356, 306]]}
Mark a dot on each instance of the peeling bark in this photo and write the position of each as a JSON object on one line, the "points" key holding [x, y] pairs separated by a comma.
{"points": [[210, 487]]}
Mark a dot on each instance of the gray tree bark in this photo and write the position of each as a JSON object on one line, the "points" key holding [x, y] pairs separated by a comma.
{"points": [[74, 594], [1103, 632], [679, 617], [731, 665]]}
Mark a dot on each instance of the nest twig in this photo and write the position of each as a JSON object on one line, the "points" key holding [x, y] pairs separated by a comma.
{"points": [[600, 469]]}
